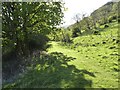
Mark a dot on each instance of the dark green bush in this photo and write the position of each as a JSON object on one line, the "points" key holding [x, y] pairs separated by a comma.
{"points": [[114, 17], [66, 38], [96, 32], [37, 42], [106, 26], [76, 32]]}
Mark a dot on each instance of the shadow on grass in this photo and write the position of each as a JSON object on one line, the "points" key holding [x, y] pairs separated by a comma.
{"points": [[53, 71]]}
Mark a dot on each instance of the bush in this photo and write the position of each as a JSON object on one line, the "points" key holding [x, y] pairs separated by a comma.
{"points": [[66, 38], [37, 42], [114, 17], [118, 20], [96, 32], [76, 32], [110, 21], [106, 26]]}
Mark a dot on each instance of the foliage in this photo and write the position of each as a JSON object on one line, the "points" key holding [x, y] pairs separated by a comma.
{"points": [[37, 41], [96, 53], [61, 34], [24, 20], [76, 32], [103, 15], [53, 72], [96, 32]]}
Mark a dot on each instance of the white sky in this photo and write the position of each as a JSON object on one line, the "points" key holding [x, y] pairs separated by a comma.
{"points": [[80, 6]]}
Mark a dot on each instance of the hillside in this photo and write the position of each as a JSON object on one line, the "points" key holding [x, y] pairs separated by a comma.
{"points": [[102, 15], [89, 62], [38, 54]]}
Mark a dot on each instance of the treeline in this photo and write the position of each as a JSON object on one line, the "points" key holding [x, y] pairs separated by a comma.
{"points": [[25, 25]]}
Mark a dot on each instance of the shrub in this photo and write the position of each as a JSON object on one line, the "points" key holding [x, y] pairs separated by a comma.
{"points": [[110, 21], [106, 26], [66, 38], [76, 32], [96, 32], [37, 42], [114, 17]]}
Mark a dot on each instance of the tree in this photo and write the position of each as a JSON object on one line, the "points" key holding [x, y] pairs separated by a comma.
{"points": [[77, 18], [23, 21]]}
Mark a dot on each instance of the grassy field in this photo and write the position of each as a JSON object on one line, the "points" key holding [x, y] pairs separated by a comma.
{"points": [[89, 62]]}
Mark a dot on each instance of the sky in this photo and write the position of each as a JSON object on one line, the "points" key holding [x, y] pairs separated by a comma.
{"points": [[80, 6]]}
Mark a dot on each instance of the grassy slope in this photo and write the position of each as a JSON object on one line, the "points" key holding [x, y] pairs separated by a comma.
{"points": [[91, 61], [97, 54]]}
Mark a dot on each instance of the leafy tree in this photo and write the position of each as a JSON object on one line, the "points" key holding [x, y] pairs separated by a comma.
{"points": [[23, 21]]}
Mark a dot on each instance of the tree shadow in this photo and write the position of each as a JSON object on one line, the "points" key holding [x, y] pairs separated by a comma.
{"points": [[53, 71]]}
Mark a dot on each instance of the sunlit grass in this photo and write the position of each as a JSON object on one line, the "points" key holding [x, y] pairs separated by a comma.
{"points": [[96, 53], [90, 61]]}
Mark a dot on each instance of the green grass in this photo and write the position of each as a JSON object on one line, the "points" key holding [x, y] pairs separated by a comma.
{"points": [[90, 61], [97, 54]]}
